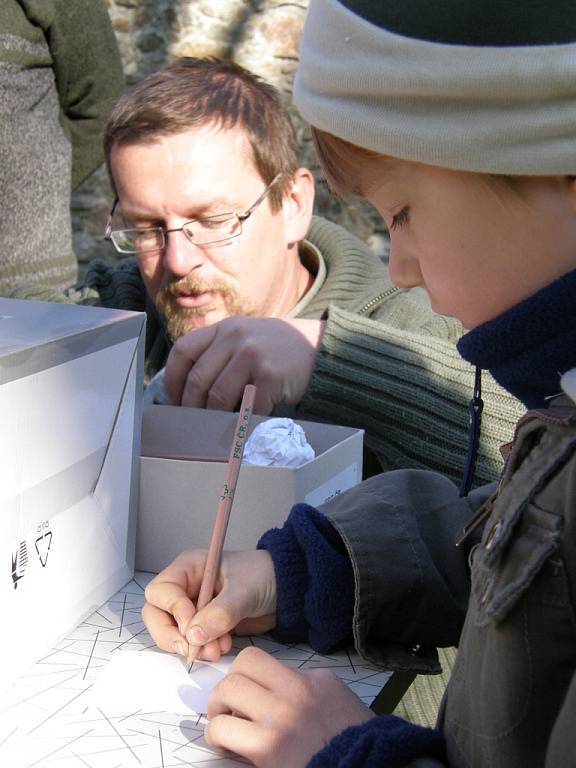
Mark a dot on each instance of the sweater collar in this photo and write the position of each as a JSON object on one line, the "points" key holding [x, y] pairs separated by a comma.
{"points": [[530, 346]]}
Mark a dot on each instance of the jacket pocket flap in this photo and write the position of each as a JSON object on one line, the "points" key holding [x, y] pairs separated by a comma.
{"points": [[504, 566]]}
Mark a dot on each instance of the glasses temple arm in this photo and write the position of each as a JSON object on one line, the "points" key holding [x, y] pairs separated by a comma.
{"points": [[108, 229]]}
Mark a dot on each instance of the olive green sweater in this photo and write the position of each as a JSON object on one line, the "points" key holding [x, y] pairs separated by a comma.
{"points": [[387, 363]]}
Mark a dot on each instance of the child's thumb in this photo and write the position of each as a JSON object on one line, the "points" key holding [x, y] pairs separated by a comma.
{"points": [[217, 618]]}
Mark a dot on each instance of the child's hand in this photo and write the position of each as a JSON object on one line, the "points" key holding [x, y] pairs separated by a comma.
{"points": [[273, 715], [245, 601]]}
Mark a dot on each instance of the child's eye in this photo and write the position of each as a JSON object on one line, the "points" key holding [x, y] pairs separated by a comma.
{"points": [[400, 219]]}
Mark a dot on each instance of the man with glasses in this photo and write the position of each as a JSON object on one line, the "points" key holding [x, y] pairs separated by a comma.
{"points": [[213, 216]]}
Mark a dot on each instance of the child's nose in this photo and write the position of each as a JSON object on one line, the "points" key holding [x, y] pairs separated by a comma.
{"points": [[404, 269]]}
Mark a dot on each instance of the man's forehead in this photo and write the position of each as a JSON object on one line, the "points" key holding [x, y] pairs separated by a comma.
{"points": [[195, 138], [199, 167]]}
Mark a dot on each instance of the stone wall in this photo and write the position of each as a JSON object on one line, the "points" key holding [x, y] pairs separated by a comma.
{"points": [[262, 35]]}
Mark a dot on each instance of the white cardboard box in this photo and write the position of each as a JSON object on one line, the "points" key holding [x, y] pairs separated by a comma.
{"points": [[70, 406], [179, 498]]}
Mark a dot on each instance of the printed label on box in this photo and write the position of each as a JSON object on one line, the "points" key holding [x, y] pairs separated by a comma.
{"points": [[29, 553], [344, 480]]}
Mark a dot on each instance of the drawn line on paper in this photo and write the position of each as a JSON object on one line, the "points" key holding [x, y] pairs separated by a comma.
{"points": [[130, 638], [45, 673], [70, 663], [38, 693], [50, 716], [111, 724], [103, 617], [139, 585], [161, 750], [91, 654], [305, 661], [190, 742], [79, 757], [56, 650], [122, 617], [64, 746], [7, 737], [121, 720], [350, 660], [164, 740]]}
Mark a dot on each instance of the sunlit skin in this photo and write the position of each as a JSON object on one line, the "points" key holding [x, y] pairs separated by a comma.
{"points": [[476, 246], [203, 172]]}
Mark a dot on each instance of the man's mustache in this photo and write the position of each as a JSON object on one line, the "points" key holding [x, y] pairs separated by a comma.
{"points": [[187, 286]]}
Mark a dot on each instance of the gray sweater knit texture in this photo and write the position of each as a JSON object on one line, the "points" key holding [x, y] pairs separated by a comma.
{"points": [[60, 71]]}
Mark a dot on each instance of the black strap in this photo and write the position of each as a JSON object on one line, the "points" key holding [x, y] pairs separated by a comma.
{"points": [[476, 408]]}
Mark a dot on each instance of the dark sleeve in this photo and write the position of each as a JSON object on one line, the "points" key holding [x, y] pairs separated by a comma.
{"points": [[88, 72], [382, 742], [387, 548], [315, 583], [412, 583]]}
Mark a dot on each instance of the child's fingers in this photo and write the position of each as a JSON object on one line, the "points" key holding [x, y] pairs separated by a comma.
{"points": [[239, 736], [265, 670], [237, 693], [164, 630]]}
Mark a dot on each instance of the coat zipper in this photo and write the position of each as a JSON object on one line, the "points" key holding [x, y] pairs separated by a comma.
{"points": [[379, 299]]}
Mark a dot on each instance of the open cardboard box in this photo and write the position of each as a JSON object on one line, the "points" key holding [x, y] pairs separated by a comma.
{"points": [[70, 396], [179, 496]]}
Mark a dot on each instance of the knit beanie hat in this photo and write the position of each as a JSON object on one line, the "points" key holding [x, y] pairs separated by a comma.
{"points": [[473, 85]]}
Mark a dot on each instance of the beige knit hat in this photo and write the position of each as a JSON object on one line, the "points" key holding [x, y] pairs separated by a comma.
{"points": [[486, 86]]}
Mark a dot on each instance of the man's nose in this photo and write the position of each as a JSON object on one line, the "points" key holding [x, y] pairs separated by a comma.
{"points": [[181, 256]]}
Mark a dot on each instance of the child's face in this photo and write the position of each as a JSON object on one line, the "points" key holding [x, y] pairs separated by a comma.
{"points": [[478, 246]]}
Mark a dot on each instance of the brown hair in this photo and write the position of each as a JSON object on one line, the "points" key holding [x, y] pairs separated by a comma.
{"points": [[346, 165], [341, 162], [194, 92]]}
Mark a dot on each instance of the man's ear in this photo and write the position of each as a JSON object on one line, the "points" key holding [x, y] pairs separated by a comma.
{"points": [[571, 182], [297, 206]]}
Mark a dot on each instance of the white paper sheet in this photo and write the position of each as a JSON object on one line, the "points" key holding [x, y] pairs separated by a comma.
{"points": [[48, 718], [133, 680]]}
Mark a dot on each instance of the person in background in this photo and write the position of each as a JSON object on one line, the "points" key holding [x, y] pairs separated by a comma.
{"points": [[60, 73], [456, 121], [214, 220]]}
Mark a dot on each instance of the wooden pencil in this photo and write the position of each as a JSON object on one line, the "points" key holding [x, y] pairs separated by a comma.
{"points": [[224, 507]]}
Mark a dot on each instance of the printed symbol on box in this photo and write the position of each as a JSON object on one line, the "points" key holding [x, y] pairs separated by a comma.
{"points": [[227, 493], [19, 563], [43, 542]]}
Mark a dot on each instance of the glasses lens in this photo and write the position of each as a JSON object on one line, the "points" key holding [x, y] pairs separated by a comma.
{"points": [[213, 229], [138, 240]]}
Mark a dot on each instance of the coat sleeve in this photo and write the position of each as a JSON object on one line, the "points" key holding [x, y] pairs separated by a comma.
{"points": [[411, 582], [399, 376], [383, 741], [88, 72]]}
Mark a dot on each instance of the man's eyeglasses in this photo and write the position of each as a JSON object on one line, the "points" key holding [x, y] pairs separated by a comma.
{"points": [[212, 229]]}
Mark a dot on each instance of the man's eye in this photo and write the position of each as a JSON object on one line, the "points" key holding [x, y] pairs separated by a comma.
{"points": [[400, 219]]}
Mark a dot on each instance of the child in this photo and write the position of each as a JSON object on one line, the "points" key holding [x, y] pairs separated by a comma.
{"points": [[457, 121]]}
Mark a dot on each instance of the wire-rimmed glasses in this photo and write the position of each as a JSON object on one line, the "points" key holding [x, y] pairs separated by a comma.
{"points": [[206, 231]]}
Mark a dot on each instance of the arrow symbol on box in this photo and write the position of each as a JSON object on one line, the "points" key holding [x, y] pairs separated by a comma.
{"points": [[43, 546]]}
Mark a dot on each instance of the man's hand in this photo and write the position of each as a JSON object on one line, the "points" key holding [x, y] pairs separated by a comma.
{"points": [[273, 715], [209, 367], [245, 601]]}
